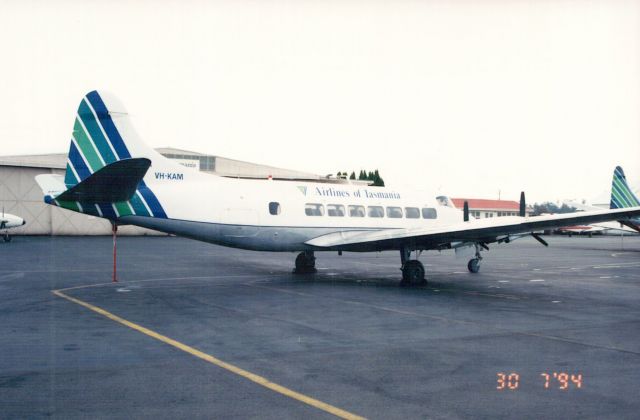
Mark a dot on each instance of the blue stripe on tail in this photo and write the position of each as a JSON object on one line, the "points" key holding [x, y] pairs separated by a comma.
{"points": [[107, 123], [78, 162]]}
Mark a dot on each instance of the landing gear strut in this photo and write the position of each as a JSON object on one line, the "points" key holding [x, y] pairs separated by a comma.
{"points": [[474, 264], [7, 237], [305, 263], [412, 270]]}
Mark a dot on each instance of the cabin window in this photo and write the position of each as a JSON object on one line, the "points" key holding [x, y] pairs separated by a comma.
{"points": [[412, 212], [375, 211], [429, 213], [313, 209], [394, 212], [356, 211], [335, 210], [274, 208]]}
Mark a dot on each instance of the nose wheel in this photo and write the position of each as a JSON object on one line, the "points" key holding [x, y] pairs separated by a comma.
{"points": [[474, 263]]}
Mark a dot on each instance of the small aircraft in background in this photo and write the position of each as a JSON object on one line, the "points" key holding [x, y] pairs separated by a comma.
{"points": [[8, 221], [622, 196], [112, 174]]}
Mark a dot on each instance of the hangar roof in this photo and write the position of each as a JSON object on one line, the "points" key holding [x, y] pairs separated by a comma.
{"points": [[52, 160]]}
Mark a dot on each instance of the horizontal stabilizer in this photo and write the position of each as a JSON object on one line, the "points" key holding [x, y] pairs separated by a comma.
{"points": [[630, 225], [114, 182]]}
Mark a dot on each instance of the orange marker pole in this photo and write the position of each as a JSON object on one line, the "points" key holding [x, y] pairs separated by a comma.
{"points": [[114, 230]]}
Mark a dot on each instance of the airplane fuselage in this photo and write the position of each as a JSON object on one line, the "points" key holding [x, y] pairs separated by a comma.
{"points": [[8, 221], [276, 215]]}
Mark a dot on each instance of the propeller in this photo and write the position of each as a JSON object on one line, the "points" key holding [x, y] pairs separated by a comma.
{"points": [[523, 205], [465, 211]]}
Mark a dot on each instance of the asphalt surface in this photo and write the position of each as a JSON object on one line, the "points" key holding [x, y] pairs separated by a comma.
{"points": [[347, 336]]}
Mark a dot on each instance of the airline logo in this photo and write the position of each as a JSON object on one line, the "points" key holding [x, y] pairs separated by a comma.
{"points": [[359, 193], [95, 143]]}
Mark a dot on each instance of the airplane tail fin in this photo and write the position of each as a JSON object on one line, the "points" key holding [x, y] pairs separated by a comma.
{"points": [[106, 164], [621, 195]]}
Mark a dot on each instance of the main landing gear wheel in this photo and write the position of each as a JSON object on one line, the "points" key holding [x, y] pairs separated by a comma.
{"points": [[474, 265], [305, 263], [413, 273]]}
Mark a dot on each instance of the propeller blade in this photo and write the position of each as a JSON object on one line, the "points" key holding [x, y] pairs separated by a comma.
{"points": [[523, 205], [465, 211]]}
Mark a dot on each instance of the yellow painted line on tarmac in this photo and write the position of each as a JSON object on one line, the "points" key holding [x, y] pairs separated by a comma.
{"points": [[215, 361]]}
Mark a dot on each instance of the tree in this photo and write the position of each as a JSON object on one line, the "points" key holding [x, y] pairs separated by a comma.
{"points": [[374, 177], [377, 180], [549, 207]]}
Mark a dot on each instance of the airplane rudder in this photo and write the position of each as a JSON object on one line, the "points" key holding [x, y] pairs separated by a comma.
{"points": [[621, 194]]}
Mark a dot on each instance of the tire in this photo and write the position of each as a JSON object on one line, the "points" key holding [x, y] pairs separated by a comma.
{"points": [[413, 273], [473, 265], [305, 264]]}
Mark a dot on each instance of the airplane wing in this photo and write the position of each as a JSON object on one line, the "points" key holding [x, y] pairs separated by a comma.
{"points": [[482, 231]]}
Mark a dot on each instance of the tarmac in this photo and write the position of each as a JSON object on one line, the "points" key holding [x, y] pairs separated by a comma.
{"points": [[193, 330]]}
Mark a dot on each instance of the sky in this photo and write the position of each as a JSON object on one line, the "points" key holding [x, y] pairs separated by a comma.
{"points": [[464, 98]]}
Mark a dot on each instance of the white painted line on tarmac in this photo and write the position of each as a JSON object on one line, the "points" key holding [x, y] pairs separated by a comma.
{"points": [[534, 280]]}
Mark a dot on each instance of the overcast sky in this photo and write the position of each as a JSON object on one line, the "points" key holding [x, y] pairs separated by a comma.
{"points": [[461, 97]]}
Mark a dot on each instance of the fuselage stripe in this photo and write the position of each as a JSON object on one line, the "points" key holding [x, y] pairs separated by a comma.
{"points": [[152, 201]]}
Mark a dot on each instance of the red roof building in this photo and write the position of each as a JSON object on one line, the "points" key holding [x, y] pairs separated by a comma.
{"points": [[481, 208]]}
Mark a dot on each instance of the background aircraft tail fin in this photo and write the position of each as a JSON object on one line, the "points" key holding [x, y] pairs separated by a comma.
{"points": [[621, 194]]}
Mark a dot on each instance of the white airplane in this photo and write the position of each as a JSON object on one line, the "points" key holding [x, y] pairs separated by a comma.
{"points": [[112, 174], [8, 221]]}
